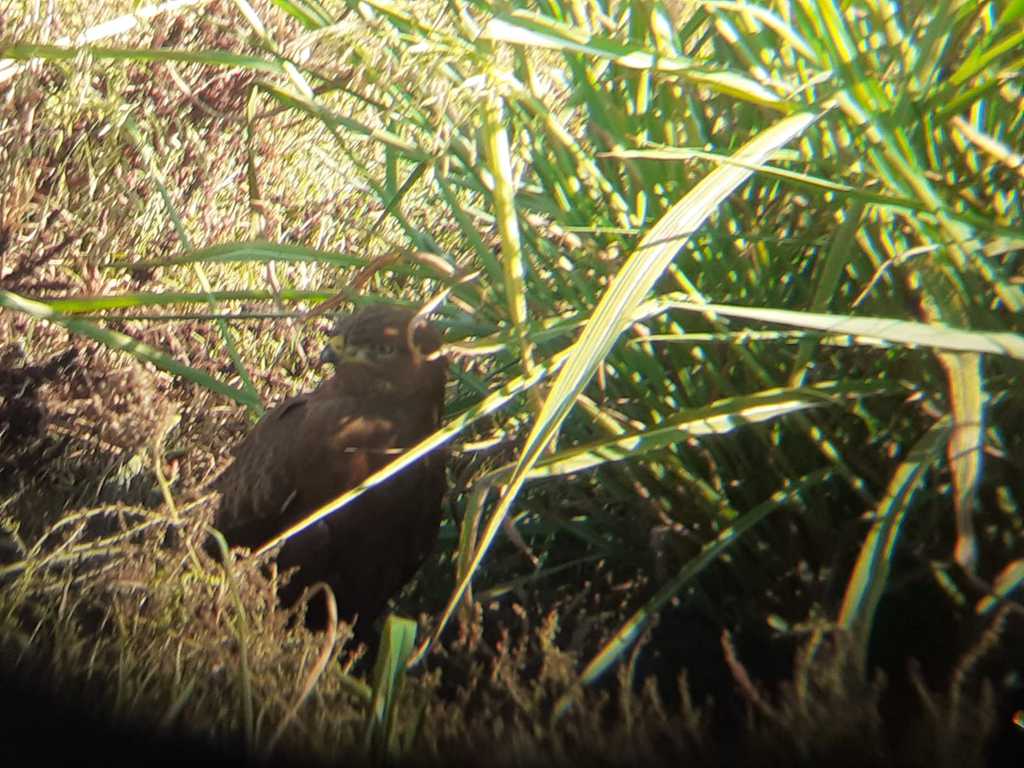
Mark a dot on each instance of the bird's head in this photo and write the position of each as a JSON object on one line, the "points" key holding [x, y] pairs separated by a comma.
{"points": [[387, 346]]}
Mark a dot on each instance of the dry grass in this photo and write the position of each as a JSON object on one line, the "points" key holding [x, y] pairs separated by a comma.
{"points": [[118, 606]]}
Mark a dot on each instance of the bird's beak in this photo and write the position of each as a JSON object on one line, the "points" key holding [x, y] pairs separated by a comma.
{"points": [[332, 352]]}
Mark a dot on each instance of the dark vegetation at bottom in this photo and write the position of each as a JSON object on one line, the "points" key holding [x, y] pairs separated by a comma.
{"points": [[743, 700]]}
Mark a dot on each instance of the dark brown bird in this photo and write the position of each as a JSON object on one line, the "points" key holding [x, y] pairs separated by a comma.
{"points": [[387, 394]]}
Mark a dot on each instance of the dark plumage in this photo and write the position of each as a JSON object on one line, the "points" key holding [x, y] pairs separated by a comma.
{"points": [[387, 393]]}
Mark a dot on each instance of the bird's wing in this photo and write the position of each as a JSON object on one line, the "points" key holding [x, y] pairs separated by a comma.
{"points": [[301, 454]]}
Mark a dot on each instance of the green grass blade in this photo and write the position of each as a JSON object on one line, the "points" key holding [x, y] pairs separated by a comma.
{"points": [[966, 447], [719, 418], [120, 341], [534, 30], [30, 51], [902, 332], [309, 13], [241, 252], [870, 574], [335, 121], [499, 160], [381, 730], [629, 287], [1006, 583], [76, 305]]}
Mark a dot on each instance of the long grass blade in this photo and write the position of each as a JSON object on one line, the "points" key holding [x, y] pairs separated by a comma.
{"points": [[381, 730], [903, 332], [870, 575], [120, 341], [653, 254]]}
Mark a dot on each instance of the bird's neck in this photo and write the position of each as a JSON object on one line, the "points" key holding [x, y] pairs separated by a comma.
{"points": [[363, 381]]}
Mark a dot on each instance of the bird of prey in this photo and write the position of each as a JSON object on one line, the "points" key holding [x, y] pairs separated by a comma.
{"points": [[387, 394]]}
